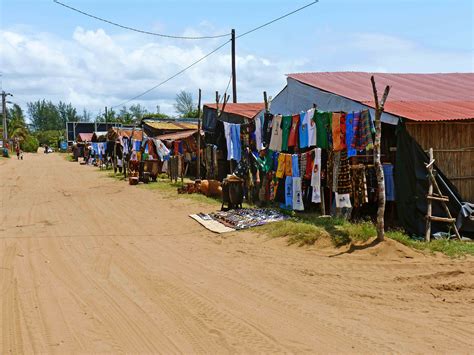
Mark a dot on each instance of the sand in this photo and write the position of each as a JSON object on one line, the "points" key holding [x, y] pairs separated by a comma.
{"points": [[90, 264]]}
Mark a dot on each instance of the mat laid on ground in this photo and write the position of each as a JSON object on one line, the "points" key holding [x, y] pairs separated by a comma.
{"points": [[238, 219], [214, 226]]}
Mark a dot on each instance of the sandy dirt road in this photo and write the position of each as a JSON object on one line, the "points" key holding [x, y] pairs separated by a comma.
{"points": [[89, 264]]}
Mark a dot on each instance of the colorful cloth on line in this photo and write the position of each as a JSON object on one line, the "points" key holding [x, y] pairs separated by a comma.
{"points": [[350, 133], [362, 138]]}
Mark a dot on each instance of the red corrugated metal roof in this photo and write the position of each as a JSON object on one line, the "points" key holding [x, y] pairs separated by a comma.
{"points": [[418, 97], [85, 137], [137, 134], [248, 110]]}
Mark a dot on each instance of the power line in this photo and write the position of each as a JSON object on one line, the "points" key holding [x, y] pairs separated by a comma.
{"points": [[277, 19], [227, 88], [173, 76], [138, 30], [181, 37]]}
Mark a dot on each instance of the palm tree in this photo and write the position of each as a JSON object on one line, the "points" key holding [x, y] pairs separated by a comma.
{"points": [[17, 127]]}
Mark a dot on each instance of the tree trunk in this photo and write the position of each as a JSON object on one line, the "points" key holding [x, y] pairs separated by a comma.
{"points": [[379, 108], [380, 178]]}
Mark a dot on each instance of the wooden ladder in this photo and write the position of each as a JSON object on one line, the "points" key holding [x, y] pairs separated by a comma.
{"points": [[437, 196]]}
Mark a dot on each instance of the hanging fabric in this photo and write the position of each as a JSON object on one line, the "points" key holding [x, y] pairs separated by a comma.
{"points": [[323, 121], [232, 136], [286, 122], [359, 186], [362, 138], [389, 182], [344, 183], [267, 128], [297, 195], [276, 137], [288, 165], [311, 127], [236, 145], [350, 118], [293, 136], [338, 131], [343, 200], [303, 130], [295, 170], [316, 177], [161, 149], [258, 131], [289, 192], [280, 171]]}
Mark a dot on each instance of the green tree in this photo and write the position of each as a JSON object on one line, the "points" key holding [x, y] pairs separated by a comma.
{"points": [[111, 117], [67, 113], [50, 137], [86, 116], [30, 144], [125, 116], [16, 124], [44, 115], [138, 111], [184, 104]]}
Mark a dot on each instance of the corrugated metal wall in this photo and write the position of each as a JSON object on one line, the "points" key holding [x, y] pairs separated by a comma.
{"points": [[453, 145]]}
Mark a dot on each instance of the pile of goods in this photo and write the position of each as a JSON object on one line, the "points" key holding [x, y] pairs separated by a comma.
{"points": [[247, 218]]}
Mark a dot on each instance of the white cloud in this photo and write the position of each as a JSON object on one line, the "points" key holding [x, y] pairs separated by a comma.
{"points": [[93, 69]]}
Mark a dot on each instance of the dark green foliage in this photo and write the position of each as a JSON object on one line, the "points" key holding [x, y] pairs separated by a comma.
{"points": [[30, 144]]}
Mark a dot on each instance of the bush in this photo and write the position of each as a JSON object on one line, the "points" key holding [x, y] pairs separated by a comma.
{"points": [[30, 144], [50, 138]]}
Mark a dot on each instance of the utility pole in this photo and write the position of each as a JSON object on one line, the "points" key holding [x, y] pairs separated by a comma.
{"points": [[4, 111], [106, 128], [198, 167], [234, 74]]}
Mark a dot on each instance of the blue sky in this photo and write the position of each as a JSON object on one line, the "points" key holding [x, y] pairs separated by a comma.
{"points": [[49, 51]]}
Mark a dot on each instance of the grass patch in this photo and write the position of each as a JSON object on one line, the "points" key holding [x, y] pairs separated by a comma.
{"points": [[170, 189], [297, 232], [451, 248], [306, 229]]}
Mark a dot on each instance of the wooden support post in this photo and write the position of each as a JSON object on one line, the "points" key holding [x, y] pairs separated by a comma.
{"points": [[198, 162], [430, 193], [379, 108]]}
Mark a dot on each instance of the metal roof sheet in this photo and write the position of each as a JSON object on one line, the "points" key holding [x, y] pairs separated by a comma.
{"points": [[417, 97], [248, 110], [177, 135], [85, 137], [137, 134], [170, 126]]}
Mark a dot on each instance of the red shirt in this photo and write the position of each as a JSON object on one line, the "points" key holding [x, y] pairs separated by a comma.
{"points": [[293, 138]]}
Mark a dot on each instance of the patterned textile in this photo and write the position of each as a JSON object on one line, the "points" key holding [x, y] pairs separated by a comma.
{"points": [[359, 186], [362, 132], [288, 165], [329, 169], [302, 164], [344, 183], [339, 131], [309, 165], [335, 170]]}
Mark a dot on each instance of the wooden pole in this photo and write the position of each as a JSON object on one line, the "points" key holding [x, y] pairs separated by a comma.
{"points": [[265, 100], [106, 128], [198, 167], [430, 193], [234, 74], [379, 108]]}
